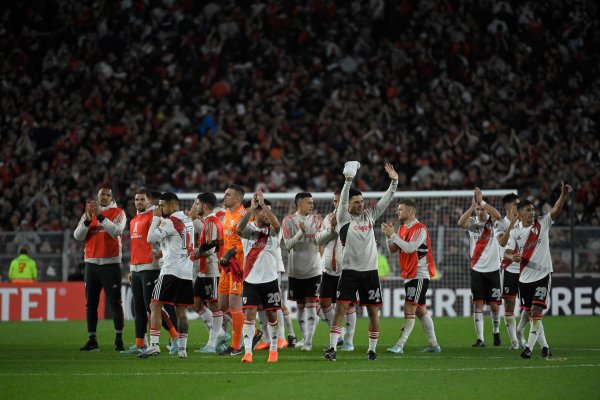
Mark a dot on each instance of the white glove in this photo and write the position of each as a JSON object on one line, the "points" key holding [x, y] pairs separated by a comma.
{"points": [[350, 168]]}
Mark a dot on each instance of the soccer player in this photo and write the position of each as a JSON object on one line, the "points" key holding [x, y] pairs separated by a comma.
{"points": [[230, 289], [144, 270], [281, 317], [209, 248], [485, 264], [299, 231], [531, 245], [260, 240], [175, 232], [355, 225], [509, 270], [416, 262], [331, 261], [101, 227]]}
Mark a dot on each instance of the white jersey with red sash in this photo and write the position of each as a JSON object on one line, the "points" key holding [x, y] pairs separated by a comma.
{"points": [[260, 254], [501, 227], [483, 246], [419, 262], [209, 229], [533, 243], [175, 235]]}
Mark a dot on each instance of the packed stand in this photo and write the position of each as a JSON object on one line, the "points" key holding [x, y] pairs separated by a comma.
{"points": [[191, 96]]}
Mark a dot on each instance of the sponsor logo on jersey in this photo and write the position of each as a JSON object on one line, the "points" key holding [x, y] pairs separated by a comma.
{"points": [[363, 228]]}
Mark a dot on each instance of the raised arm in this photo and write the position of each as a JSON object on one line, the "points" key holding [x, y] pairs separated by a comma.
{"points": [[558, 206], [463, 221], [275, 226], [384, 202], [512, 217], [244, 221], [491, 210]]}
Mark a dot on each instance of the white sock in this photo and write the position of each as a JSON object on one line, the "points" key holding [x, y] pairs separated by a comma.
{"points": [[280, 326], [272, 329], [429, 329], [248, 334], [328, 314], [373, 337], [409, 323], [350, 325], [302, 320], [207, 316], [536, 328], [146, 341], [495, 321], [478, 320], [511, 326], [182, 341], [311, 322], [522, 324], [542, 336], [262, 317], [289, 325], [217, 329], [334, 335], [154, 337]]}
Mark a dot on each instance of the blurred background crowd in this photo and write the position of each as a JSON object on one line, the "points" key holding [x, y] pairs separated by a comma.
{"points": [[193, 95]]}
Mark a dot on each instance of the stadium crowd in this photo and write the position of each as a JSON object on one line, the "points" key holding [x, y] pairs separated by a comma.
{"points": [[193, 95]]}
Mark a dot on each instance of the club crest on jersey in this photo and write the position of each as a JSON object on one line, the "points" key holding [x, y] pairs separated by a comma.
{"points": [[232, 222], [535, 230]]}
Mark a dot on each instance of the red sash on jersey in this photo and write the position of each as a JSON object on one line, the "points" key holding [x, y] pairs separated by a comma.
{"points": [[184, 234], [482, 242], [204, 239], [530, 244], [506, 261], [257, 247]]}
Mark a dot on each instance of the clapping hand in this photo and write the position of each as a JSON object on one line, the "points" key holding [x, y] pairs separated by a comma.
{"points": [[388, 229]]}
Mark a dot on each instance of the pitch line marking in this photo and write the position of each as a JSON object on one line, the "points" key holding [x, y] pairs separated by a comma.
{"points": [[270, 372]]}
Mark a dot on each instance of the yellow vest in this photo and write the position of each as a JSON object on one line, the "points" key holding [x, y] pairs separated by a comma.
{"points": [[22, 268]]}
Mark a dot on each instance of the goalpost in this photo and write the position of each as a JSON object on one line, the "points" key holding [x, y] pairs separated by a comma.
{"points": [[438, 210]]}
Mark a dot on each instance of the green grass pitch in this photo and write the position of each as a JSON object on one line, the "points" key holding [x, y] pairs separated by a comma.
{"points": [[41, 360]]}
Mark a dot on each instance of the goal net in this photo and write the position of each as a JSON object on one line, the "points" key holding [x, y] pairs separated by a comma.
{"points": [[438, 210]]}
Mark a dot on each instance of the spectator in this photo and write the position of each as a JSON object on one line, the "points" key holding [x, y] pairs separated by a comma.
{"points": [[27, 237], [457, 81]]}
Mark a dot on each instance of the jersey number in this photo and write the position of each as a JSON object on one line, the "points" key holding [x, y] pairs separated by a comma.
{"points": [[496, 293], [186, 240], [375, 295], [273, 298], [540, 292]]}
